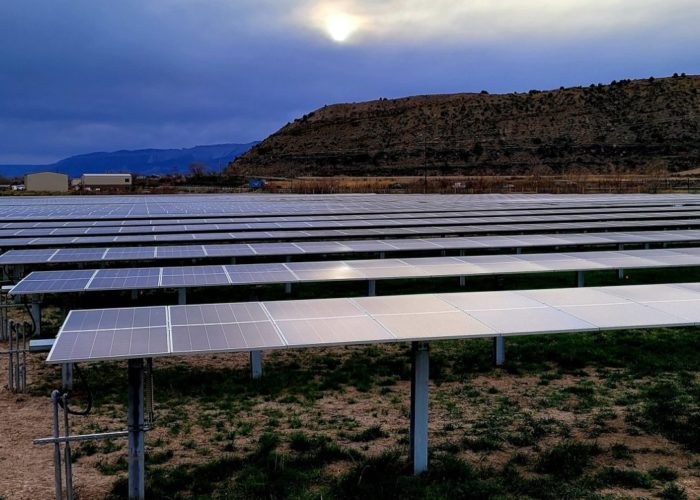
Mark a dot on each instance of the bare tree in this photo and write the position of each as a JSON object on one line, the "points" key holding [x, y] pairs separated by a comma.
{"points": [[197, 169]]}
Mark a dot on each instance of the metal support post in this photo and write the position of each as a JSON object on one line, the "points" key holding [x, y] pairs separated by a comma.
{"points": [[443, 253], [288, 286], [381, 255], [67, 458], [418, 438], [134, 294], [136, 430], [462, 279], [518, 250], [181, 296], [646, 246], [371, 288], [36, 314], [580, 279], [499, 351], [58, 483], [233, 260], [67, 376], [255, 364], [620, 272]]}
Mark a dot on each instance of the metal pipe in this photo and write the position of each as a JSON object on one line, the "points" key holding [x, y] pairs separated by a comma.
{"points": [[288, 286], [255, 364], [580, 279], [67, 376], [620, 272], [418, 437], [135, 420], [18, 369], [499, 351], [181, 296], [36, 314], [68, 461], [57, 447], [81, 437], [10, 360], [371, 288]]}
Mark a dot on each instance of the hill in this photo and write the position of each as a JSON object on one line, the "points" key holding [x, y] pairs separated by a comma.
{"points": [[142, 161], [629, 125]]}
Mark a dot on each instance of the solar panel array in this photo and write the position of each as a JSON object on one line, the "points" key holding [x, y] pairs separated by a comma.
{"points": [[116, 254], [176, 206], [376, 269], [396, 232], [108, 334], [548, 210], [435, 220]]}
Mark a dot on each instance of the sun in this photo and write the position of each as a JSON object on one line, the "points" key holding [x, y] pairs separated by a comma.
{"points": [[340, 26]]}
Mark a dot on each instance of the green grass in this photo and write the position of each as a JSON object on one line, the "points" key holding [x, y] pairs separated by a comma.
{"points": [[568, 459], [673, 492]]}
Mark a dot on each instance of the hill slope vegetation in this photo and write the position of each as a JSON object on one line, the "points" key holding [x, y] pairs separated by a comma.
{"points": [[631, 125]]}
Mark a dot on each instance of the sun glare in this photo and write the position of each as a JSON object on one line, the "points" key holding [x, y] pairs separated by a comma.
{"points": [[340, 26]]}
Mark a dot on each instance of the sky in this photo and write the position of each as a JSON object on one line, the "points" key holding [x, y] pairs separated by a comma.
{"points": [[78, 76]]}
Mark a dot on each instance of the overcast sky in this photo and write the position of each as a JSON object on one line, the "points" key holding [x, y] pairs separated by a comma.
{"points": [[78, 76]]}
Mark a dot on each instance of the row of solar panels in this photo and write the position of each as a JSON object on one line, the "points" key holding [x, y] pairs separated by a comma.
{"points": [[128, 223], [375, 223], [272, 198], [107, 334], [324, 271], [86, 208], [348, 233], [117, 254]]}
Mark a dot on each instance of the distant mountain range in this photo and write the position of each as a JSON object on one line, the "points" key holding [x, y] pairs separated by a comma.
{"points": [[142, 161]]}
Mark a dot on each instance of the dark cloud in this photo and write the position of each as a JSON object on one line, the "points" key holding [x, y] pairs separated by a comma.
{"points": [[79, 76]]}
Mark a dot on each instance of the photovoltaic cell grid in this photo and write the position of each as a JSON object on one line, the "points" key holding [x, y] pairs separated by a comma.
{"points": [[181, 330], [178, 206], [114, 254], [350, 233], [417, 220], [295, 272], [493, 212]]}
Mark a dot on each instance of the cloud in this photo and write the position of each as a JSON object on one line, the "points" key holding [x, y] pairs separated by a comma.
{"points": [[79, 76], [493, 20]]}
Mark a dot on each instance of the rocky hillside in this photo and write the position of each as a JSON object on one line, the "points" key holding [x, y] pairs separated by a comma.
{"points": [[630, 125]]}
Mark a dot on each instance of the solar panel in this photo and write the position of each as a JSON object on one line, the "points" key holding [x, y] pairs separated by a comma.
{"points": [[31, 256], [130, 253], [222, 327], [143, 332], [54, 282], [624, 315], [201, 276], [180, 252], [194, 276], [110, 334], [117, 279], [259, 273]]}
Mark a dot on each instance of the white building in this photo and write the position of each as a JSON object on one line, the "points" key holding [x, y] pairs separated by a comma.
{"points": [[46, 181], [106, 180]]}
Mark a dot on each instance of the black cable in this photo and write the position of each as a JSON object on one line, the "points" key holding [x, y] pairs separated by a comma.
{"points": [[88, 407]]}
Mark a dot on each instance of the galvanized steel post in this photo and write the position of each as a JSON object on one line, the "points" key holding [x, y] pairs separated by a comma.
{"points": [[135, 422], [499, 351], [255, 364], [418, 439]]}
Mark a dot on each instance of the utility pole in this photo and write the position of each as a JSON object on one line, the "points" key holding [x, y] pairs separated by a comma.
{"points": [[425, 165]]}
